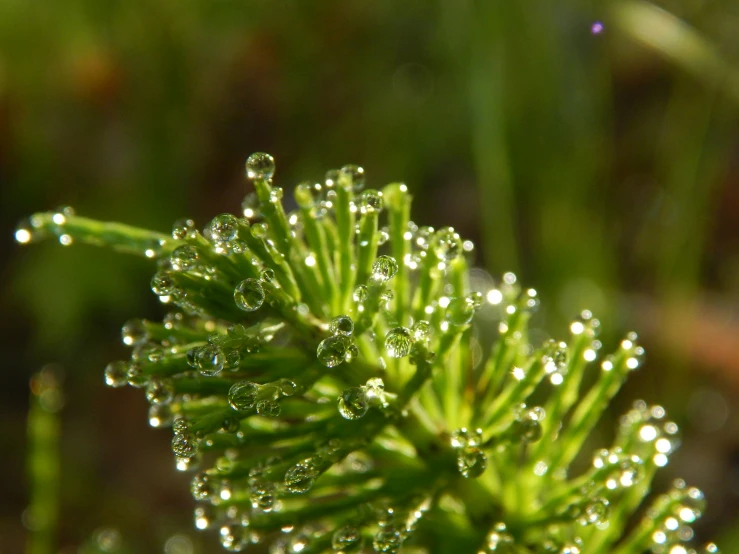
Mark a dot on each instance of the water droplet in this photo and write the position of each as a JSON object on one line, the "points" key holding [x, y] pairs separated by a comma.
{"points": [[594, 512], [235, 537], [136, 377], [384, 269], [268, 408], [331, 179], [361, 293], [527, 426], [160, 415], [446, 244], [353, 403], [267, 275], [387, 539], [249, 295], [250, 205], [208, 359], [355, 175], [299, 478], [160, 391], [232, 360], [182, 228], [351, 353], [223, 228], [347, 539], [341, 325], [471, 462], [275, 195], [260, 166], [180, 426], [262, 494], [24, 232], [306, 194], [243, 395], [460, 310], [134, 332], [116, 374], [462, 438], [184, 258], [163, 284], [185, 445], [332, 351], [500, 541], [202, 487], [421, 330], [398, 342], [370, 202], [204, 517]]}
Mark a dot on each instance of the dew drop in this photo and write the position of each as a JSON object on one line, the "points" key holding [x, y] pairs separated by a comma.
{"points": [[351, 353], [421, 330], [355, 175], [116, 374], [183, 258], [249, 295], [370, 202], [243, 395], [300, 477], [462, 438], [183, 228], [384, 269], [471, 462], [353, 403], [460, 310], [136, 378], [446, 244], [499, 541], [260, 166], [163, 284], [185, 445], [160, 415], [235, 537], [134, 332], [223, 228], [267, 275], [332, 350], [527, 426], [203, 517], [160, 391], [208, 359], [398, 342], [24, 233], [594, 512], [360, 294], [268, 408], [387, 540], [347, 539], [341, 325]]}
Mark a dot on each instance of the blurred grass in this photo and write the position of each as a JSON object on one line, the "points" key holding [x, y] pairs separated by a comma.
{"points": [[601, 167]]}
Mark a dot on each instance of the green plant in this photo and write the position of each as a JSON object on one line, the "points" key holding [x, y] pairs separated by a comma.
{"points": [[335, 384]]}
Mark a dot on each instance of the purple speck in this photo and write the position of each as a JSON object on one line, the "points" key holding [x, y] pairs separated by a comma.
{"points": [[597, 28]]}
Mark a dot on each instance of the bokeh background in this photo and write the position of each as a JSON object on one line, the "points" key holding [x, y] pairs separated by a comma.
{"points": [[590, 146]]}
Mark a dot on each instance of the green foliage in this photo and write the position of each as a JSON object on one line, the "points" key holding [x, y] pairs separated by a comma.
{"points": [[334, 380]]}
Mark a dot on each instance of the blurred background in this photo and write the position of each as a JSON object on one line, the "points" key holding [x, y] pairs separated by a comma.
{"points": [[590, 146]]}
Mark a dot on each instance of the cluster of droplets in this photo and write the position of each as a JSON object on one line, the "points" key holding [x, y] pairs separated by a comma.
{"points": [[471, 460], [355, 402], [670, 520], [339, 347], [649, 430]]}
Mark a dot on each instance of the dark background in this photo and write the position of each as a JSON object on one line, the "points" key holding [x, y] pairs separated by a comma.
{"points": [[602, 167]]}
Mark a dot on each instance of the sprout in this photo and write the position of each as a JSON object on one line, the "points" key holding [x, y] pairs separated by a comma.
{"points": [[316, 368]]}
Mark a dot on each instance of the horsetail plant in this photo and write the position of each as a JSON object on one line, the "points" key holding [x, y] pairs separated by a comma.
{"points": [[329, 384]]}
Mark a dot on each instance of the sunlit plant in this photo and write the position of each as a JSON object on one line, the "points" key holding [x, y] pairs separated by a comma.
{"points": [[337, 379]]}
